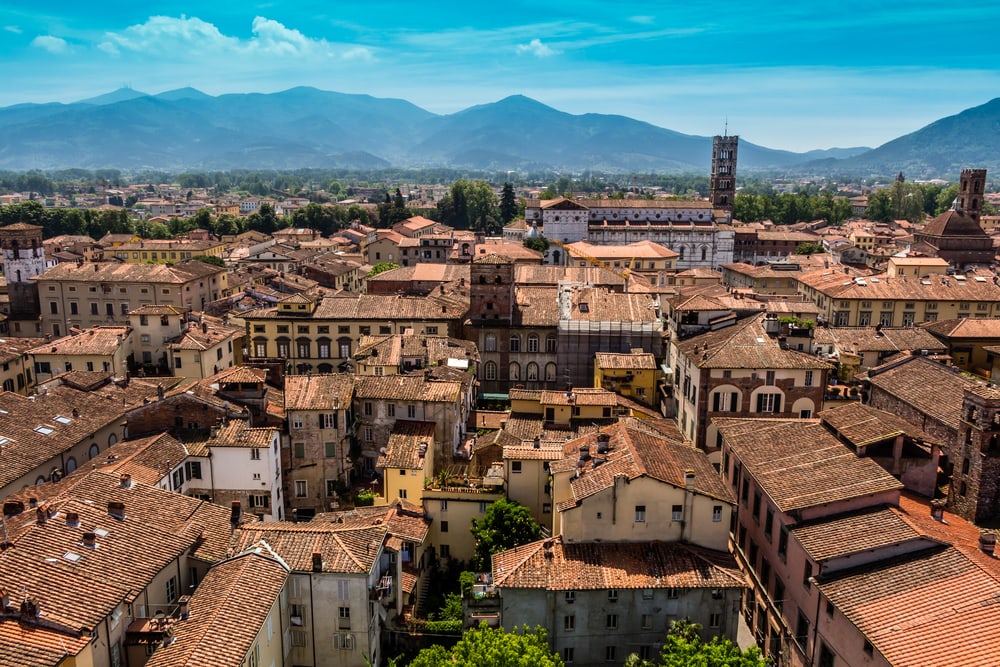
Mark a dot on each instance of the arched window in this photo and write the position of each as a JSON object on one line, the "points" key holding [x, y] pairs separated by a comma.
{"points": [[40, 480], [514, 371], [94, 451], [325, 368], [112, 439], [680, 254], [550, 372], [532, 372], [533, 343], [323, 345], [482, 279], [260, 347], [344, 348], [515, 343], [491, 370], [284, 347], [302, 347], [70, 465], [704, 253]]}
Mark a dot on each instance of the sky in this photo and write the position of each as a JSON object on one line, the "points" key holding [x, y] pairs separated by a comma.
{"points": [[789, 75]]}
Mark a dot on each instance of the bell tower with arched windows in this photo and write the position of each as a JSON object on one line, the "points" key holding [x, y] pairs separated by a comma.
{"points": [[971, 186], [723, 180], [492, 288], [23, 258]]}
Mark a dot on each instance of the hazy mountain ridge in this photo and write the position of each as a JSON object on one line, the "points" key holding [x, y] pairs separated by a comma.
{"points": [[186, 129]]}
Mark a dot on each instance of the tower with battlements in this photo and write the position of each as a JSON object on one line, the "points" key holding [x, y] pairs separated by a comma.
{"points": [[723, 180]]}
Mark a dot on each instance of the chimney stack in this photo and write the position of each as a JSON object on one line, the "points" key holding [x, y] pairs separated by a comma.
{"points": [[182, 606], [116, 510], [72, 519], [689, 478], [937, 510], [987, 543], [317, 561], [90, 540], [235, 513], [125, 480], [41, 516]]}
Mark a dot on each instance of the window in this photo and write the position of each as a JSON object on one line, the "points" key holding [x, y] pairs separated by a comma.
{"points": [[73, 308], [647, 594], [673, 593], [368, 409], [300, 450], [301, 488], [533, 343], [568, 654], [569, 622], [192, 469], [93, 309], [676, 513], [768, 402], [647, 621], [344, 618], [490, 343], [171, 590], [610, 653], [826, 657], [715, 620], [807, 574], [868, 648], [768, 523], [368, 434], [640, 513], [769, 378], [716, 513], [445, 550], [756, 505], [783, 542], [809, 379], [515, 467], [612, 595], [612, 622], [411, 411], [255, 454], [444, 526], [515, 343], [343, 641], [491, 369], [570, 597]]}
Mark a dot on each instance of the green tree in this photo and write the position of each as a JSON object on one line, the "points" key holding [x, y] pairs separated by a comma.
{"points": [[539, 243], [946, 198], [380, 267], [505, 524], [508, 204], [880, 208], [210, 259], [492, 647], [684, 648], [810, 249]]}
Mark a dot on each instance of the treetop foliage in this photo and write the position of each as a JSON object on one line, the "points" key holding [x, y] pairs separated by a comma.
{"points": [[492, 647], [505, 524]]}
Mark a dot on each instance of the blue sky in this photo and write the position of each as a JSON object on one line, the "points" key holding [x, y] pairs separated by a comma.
{"points": [[796, 75]]}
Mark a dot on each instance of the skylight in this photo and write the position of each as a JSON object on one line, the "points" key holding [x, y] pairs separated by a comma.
{"points": [[44, 430], [3, 440], [72, 557], [62, 420]]}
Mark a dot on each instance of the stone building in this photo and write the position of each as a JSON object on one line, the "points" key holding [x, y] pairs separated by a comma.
{"points": [[23, 258]]}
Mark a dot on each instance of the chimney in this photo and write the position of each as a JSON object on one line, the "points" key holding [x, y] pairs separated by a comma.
{"points": [[689, 478], [76, 413], [32, 502], [41, 516], [125, 480], [937, 510], [422, 449], [317, 561], [987, 543], [4, 599], [235, 512], [182, 606], [537, 442], [72, 519], [603, 443], [116, 510], [204, 327], [90, 540], [584, 452]]}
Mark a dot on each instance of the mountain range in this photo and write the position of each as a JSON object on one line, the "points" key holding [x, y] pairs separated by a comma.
{"points": [[186, 129]]}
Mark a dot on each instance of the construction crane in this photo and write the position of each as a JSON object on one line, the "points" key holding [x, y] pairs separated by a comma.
{"points": [[624, 274]]}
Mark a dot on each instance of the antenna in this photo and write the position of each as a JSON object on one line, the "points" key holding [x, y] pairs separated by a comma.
{"points": [[725, 127]]}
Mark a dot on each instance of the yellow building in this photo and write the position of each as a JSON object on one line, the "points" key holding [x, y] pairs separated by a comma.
{"points": [[848, 301], [633, 375], [168, 250], [405, 462], [103, 349], [15, 364], [916, 267]]}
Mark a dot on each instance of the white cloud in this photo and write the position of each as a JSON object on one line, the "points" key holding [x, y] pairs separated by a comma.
{"points": [[191, 35], [643, 20], [13, 28], [536, 48], [56, 45]]}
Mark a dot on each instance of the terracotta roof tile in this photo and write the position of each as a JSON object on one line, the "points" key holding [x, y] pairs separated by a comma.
{"points": [[318, 392], [864, 425], [800, 464], [344, 547], [745, 345], [404, 447], [867, 530], [928, 386], [406, 388], [631, 565]]}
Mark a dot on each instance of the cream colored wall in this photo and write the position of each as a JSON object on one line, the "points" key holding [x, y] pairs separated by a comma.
{"points": [[611, 515], [403, 483], [461, 509], [325, 605], [528, 488]]}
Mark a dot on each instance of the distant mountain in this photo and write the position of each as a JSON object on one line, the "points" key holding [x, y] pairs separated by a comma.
{"points": [[942, 149], [185, 129], [114, 96]]}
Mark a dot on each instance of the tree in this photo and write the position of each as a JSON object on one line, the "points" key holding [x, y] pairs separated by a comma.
{"points": [[539, 243], [684, 648], [508, 204], [810, 249], [380, 267], [505, 525], [492, 647], [210, 259]]}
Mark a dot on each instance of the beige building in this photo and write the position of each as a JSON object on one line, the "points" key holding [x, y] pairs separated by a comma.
{"points": [[48, 436], [15, 364], [256, 574], [321, 335], [159, 545], [635, 375], [102, 349], [317, 460], [205, 348], [86, 295], [847, 301], [403, 464]]}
